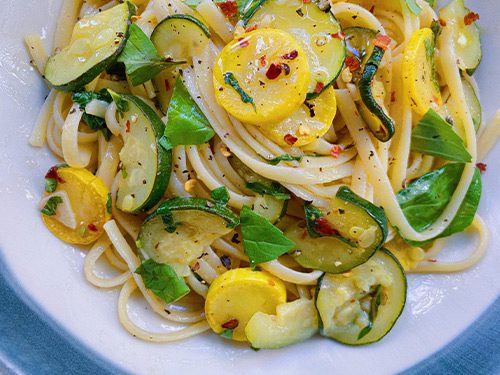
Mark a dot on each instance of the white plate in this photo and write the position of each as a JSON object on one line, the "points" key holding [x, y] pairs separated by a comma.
{"points": [[439, 307]]}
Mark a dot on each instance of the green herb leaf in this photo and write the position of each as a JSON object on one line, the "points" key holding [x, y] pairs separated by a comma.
{"points": [[275, 190], [194, 3], [227, 334], [262, 241], [82, 98], [162, 280], [220, 195], [432, 3], [142, 60], [121, 104], [284, 157], [50, 185], [109, 202], [414, 7], [375, 303], [186, 124], [231, 80], [51, 206], [424, 200], [434, 136]]}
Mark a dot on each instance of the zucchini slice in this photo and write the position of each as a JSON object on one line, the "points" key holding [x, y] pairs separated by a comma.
{"points": [[95, 44], [359, 44], [467, 37], [294, 322], [362, 306], [447, 110], [343, 237], [176, 233], [145, 165], [271, 208], [318, 32], [372, 96], [180, 36]]}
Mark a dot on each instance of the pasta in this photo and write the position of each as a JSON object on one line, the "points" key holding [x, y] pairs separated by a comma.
{"points": [[366, 142]]}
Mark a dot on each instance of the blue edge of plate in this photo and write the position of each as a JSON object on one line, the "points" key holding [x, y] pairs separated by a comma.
{"points": [[31, 342]]}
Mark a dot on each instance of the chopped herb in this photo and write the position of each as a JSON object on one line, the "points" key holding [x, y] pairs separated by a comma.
{"points": [[284, 157], [50, 185], [220, 195], [162, 280], [121, 104], [434, 136], [275, 190], [262, 241], [142, 60], [51, 206], [375, 302], [109, 202], [231, 80], [227, 334], [83, 98], [124, 173]]}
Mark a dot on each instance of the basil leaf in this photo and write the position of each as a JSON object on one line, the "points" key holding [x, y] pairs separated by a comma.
{"points": [[284, 157], [376, 301], [227, 334], [51, 206], [434, 136], [414, 7], [275, 190], [186, 123], [50, 185], [432, 3], [162, 280], [220, 195], [425, 199], [262, 241], [82, 98], [194, 3], [230, 79], [121, 104], [142, 60]]}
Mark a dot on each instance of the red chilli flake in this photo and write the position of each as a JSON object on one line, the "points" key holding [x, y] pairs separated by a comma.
{"points": [[52, 173], [290, 56], [167, 85], [243, 42], [470, 18], [127, 127], [393, 96], [319, 87], [274, 71], [442, 22], [92, 228], [336, 151], [482, 167], [290, 139], [352, 63], [382, 41], [372, 9], [231, 324], [229, 8], [340, 35], [251, 28], [263, 60], [306, 1], [323, 227]]}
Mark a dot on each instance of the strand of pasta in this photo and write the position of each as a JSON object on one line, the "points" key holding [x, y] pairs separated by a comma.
{"points": [[37, 51], [38, 136]]}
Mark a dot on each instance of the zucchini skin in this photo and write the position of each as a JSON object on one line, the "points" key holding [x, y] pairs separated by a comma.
{"points": [[164, 164], [365, 91], [200, 204], [186, 17], [97, 69], [320, 322]]}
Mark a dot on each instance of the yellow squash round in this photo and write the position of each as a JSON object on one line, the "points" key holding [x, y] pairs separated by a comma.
{"points": [[262, 77], [88, 196], [235, 296]]}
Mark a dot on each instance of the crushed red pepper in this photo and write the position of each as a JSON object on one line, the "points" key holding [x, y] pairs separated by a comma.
{"points": [[382, 41], [263, 60], [322, 226], [291, 55], [127, 127], [229, 8], [442, 22], [92, 227], [352, 63], [336, 151], [482, 167], [274, 71], [340, 35], [290, 139], [470, 18], [319, 87], [52, 173], [167, 85], [231, 324], [243, 42]]}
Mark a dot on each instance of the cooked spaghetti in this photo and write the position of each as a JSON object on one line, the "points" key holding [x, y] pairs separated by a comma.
{"points": [[252, 167]]}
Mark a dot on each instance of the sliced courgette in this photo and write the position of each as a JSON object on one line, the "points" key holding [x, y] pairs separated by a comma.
{"points": [[317, 31], [95, 45], [467, 36], [372, 96], [272, 199], [359, 45], [472, 100], [361, 307], [145, 165], [294, 322], [176, 233], [180, 36], [341, 238]]}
